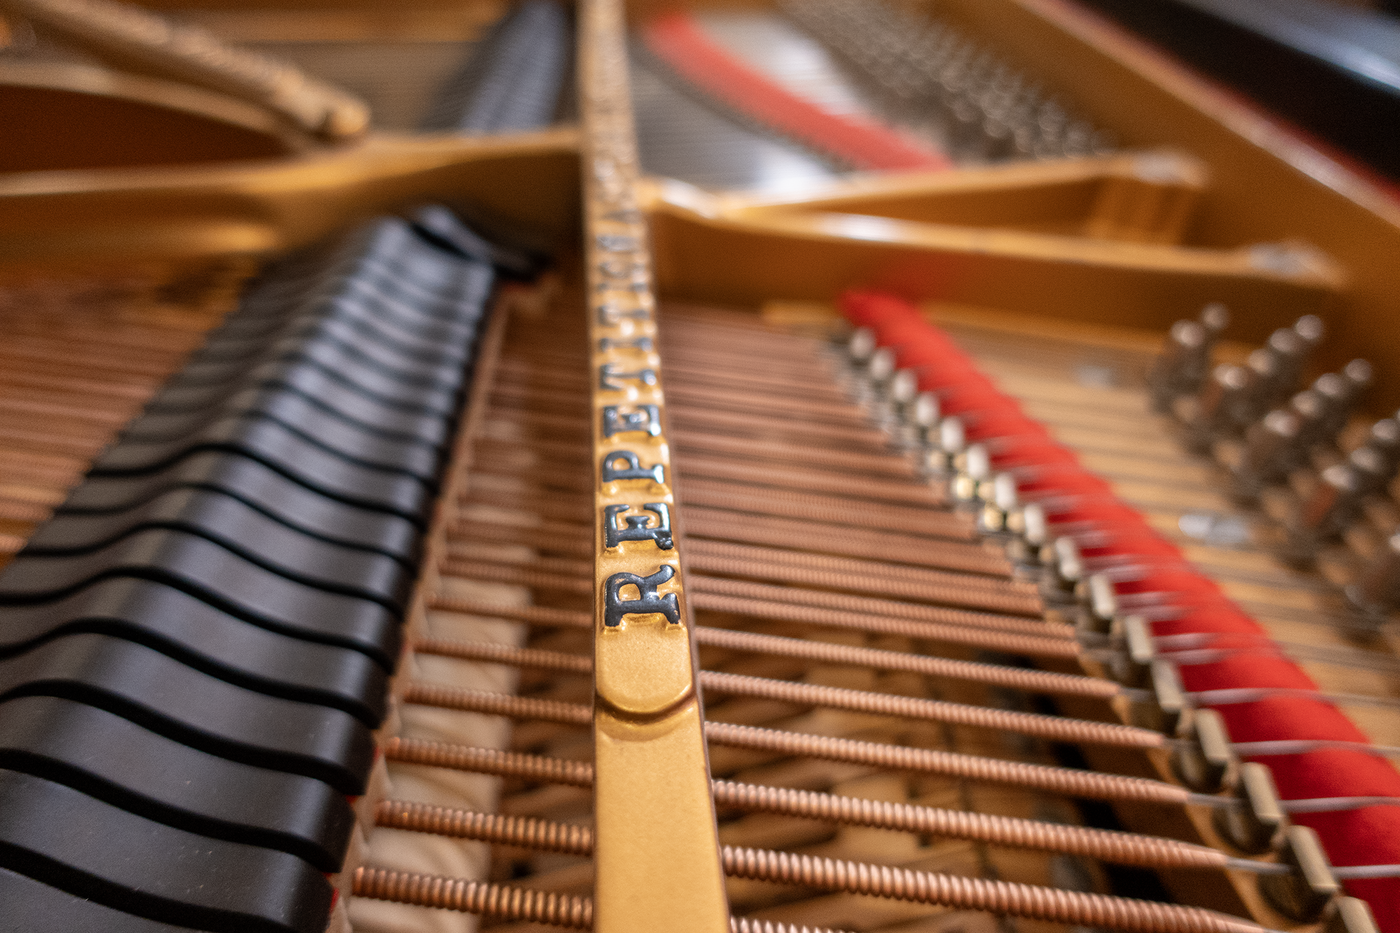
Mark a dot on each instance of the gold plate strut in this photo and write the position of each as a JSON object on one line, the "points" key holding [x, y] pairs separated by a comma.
{"points": [[656, 854]]}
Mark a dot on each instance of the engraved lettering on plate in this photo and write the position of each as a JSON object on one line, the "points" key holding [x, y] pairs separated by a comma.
{"points": [[612, 473], [621, 268], [610, 314], [643, 418], [638, 527], [637, 343], [617, 242], [648, 601], [608, 373], [623, 274]]}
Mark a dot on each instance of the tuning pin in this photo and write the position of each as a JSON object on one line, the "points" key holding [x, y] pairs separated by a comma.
{"points": [[870, 378], [1261, 368], [1377, 460], [1270, 451], [1384, 439], [1376, 592], [1289, 354], [903, 387], [893, 396], [1309, 407], [1334, 504], [1290, 347], [1373, 471], [1214, 317], [1342, 396], [1331, 392], [1182, 365], [999, 137], [1217, 403], [1310, 328], [1079, 139]]}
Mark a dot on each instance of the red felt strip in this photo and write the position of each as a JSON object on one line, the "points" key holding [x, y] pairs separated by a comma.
{"points": [[1150, 570], [678, 40]]}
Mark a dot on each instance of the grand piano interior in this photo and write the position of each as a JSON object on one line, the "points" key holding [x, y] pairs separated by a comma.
{"points": [[822, 465]]}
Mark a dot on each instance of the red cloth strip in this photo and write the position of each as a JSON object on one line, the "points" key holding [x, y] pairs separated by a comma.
{"points": [[678, 40], [1146, 567]]}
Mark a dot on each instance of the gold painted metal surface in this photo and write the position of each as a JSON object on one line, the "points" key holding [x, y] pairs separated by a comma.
{"points": [[528, 181], [707, 251], [652, 802], [1147, 197]]}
